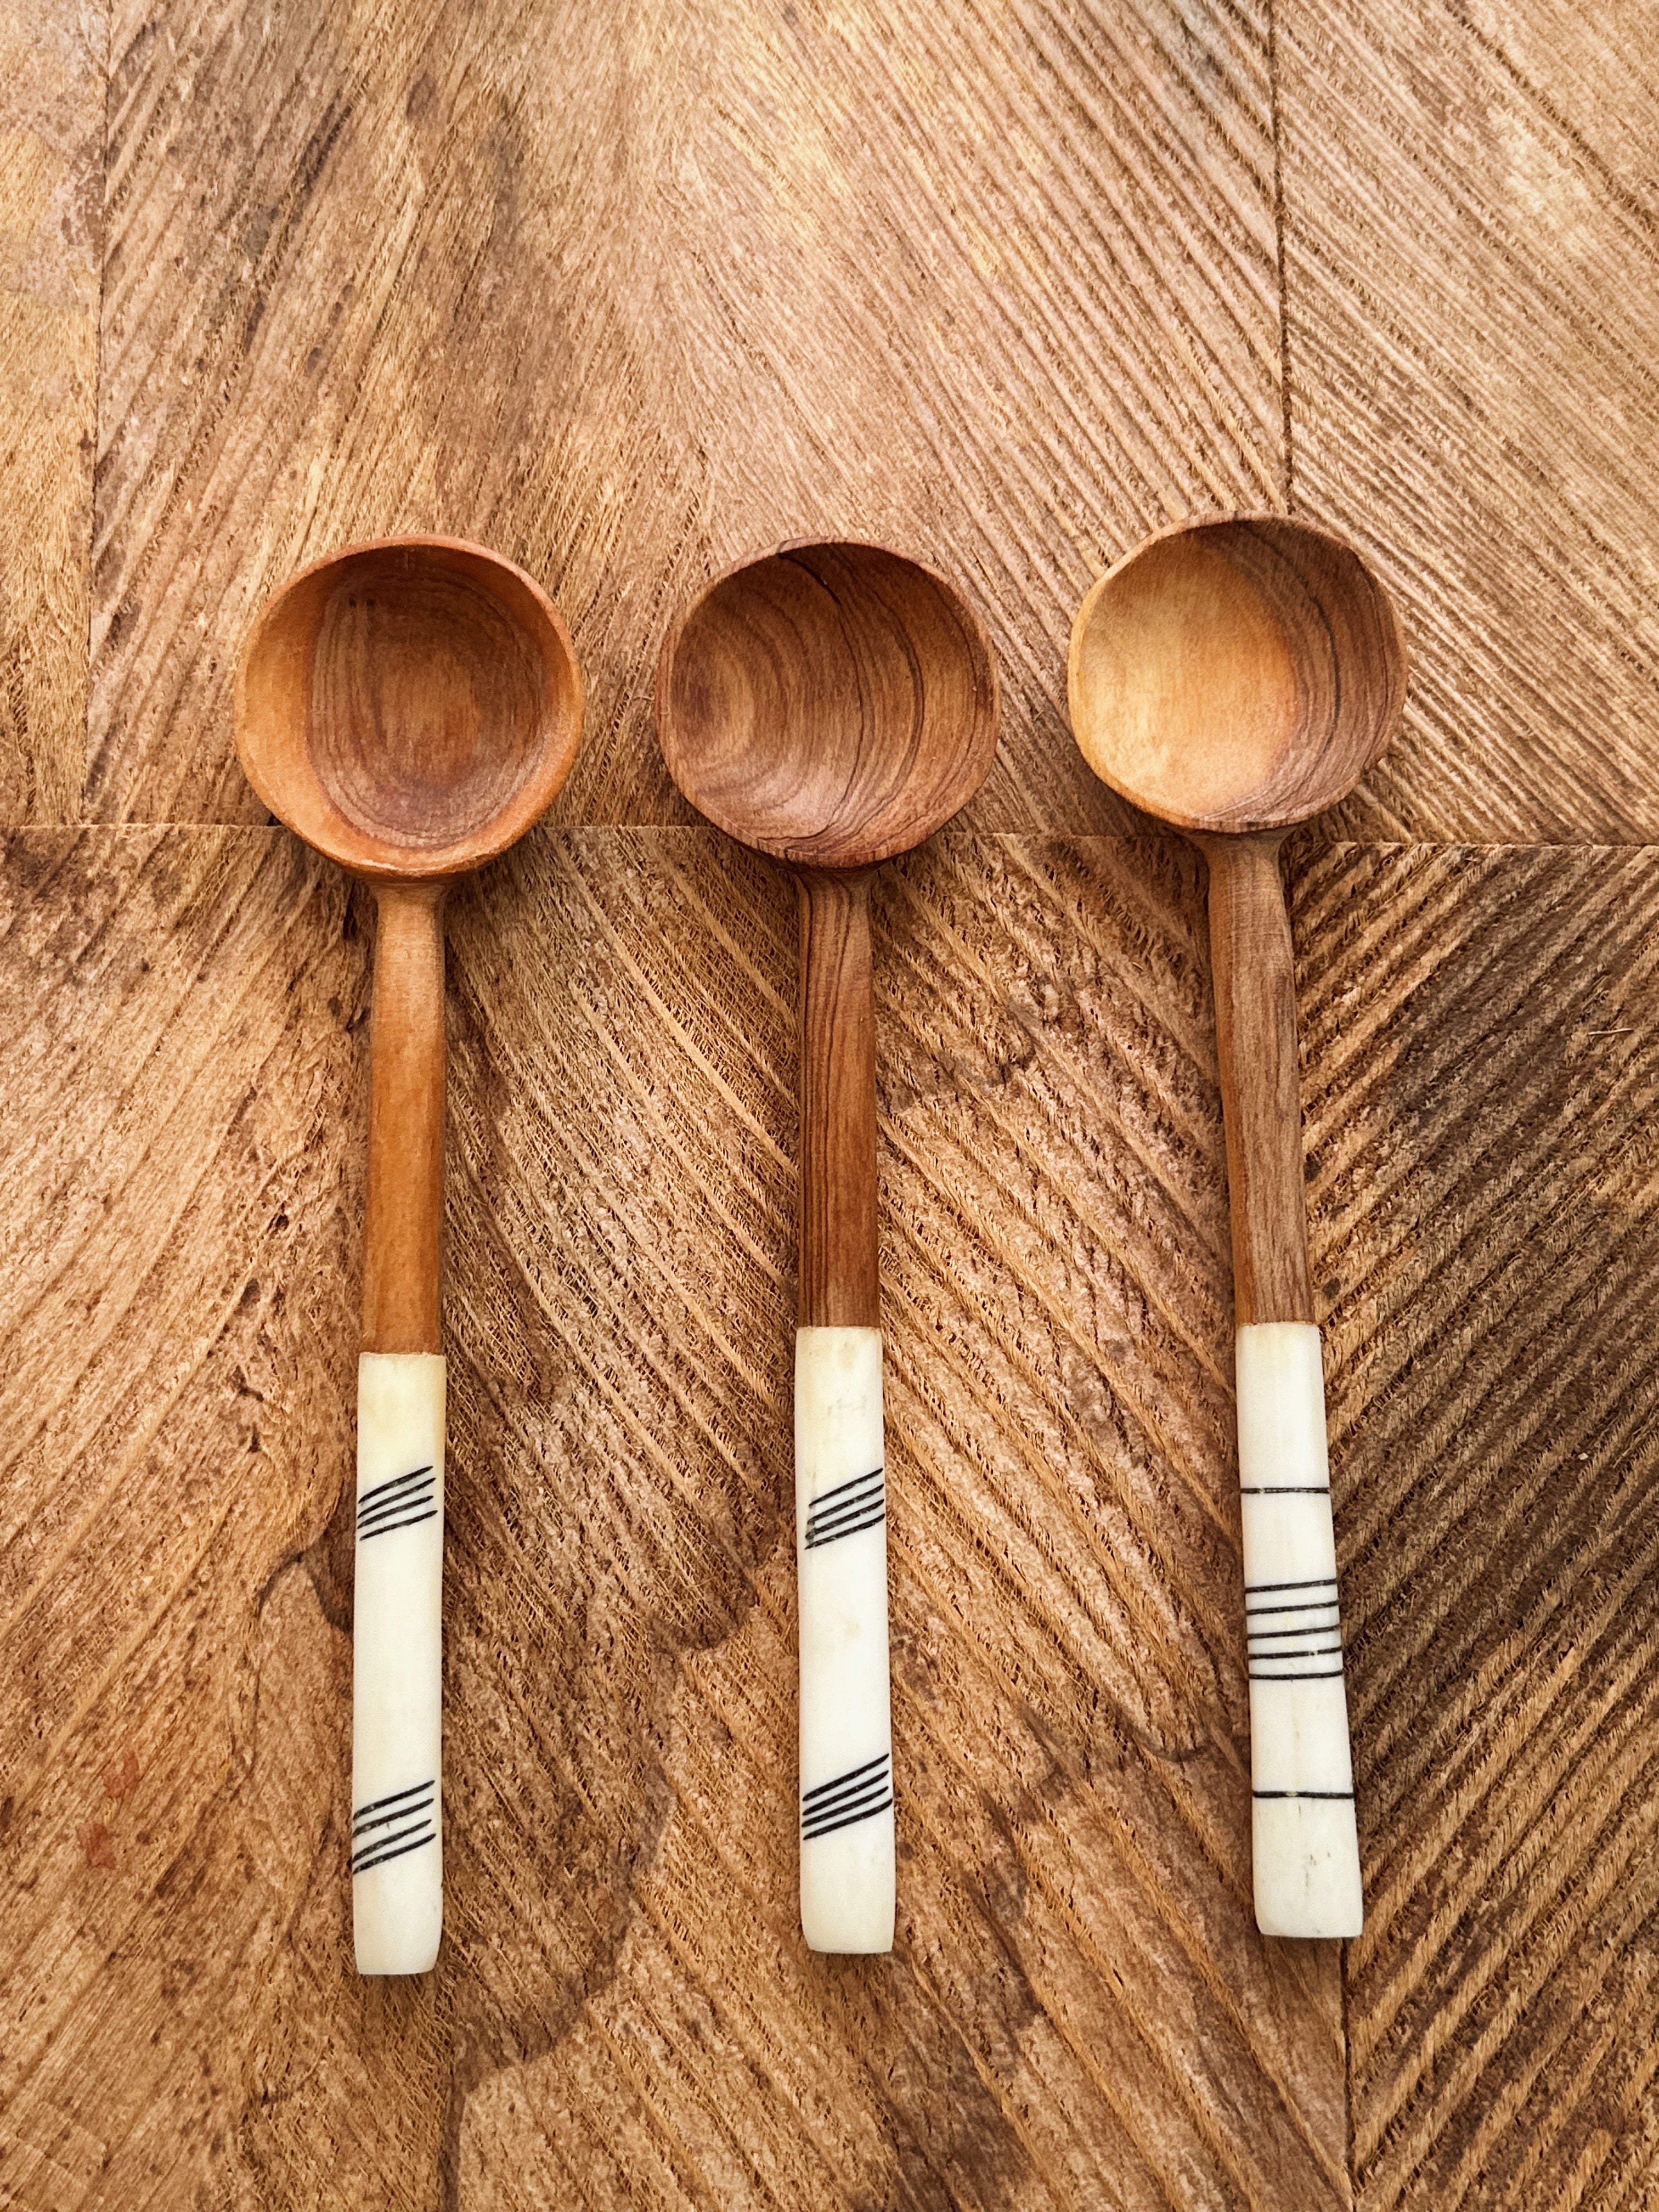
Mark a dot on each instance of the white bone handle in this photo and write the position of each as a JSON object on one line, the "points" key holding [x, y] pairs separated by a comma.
{"points": [[847, 1863], [1305, 1843], [397, 1825]]}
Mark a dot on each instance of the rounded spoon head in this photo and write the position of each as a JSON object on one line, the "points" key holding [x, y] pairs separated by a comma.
{"points": [[1239, 674], [830, 704], [409, 707]]}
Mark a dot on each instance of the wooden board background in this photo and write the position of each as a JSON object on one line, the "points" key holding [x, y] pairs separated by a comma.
{"points": [[623, 292]]}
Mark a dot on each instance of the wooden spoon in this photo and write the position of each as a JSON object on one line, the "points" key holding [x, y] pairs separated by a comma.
{"points": [[832, 705], [1233, 678], [409, 707]]}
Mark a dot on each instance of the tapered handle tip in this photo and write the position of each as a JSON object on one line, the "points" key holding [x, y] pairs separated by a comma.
{"points": [[848, 1888], [1306, 1855]]}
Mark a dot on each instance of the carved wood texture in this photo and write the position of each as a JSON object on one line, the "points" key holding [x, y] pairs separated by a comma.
{"points": [[626, 293]]}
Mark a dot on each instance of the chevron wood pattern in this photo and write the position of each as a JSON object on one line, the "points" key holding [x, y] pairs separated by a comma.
{"points": [[1078, 2009], [1472, 278]]}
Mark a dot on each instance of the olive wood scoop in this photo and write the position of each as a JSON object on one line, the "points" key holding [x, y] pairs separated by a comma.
{"points": [[1233, 678], [834, 704], [408, 707]]}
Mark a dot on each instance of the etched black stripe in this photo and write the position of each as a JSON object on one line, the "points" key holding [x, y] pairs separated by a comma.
{"points": [[1326, 1675], [829, 1827], [1277, 1635], [420, 1825], [1335, 1796], [808, 1796], [363, 1824], [367, 1866], [419, 1490], [395, 1483], [847, 1510], [1315, 1582], [870, 1517], [375, 1804], [844, 1799], [1308, 1605], [387, 1526], [853, 1529], [1284, 1490], [858, 1795], [847, 1815], [851, 1483], [818, 1511]]}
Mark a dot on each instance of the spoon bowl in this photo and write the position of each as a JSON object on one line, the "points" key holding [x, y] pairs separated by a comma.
{"points": [[1236, 675], [409, 707], [832, 704]]}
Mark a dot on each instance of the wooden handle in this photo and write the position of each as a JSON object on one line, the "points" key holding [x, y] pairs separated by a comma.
{"points": [[847, 1850], [397, 1841], [403, 1220], [1305, 1847], [1261, 1087], [840, 1286]]}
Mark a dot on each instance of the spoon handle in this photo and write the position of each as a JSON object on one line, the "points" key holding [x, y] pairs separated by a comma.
{"points": [[846, 1849], [396, 1828], [1305, 1848]]}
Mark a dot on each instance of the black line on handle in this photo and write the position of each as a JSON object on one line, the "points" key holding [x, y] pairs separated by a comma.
{"points": [[847, 1510], [846, 1798], [1336, 1796], [858, 1795], [416, 1492], [851, 1483], [817, 1536], [369, 1865], [860, 1504], [420, 1828], [1315, 1582], [360, 1826], [1308, 1605], [812, 1835], [375, 1804], [396, 1481], [387, 1526], [824, 1788], [1329, 1673]]}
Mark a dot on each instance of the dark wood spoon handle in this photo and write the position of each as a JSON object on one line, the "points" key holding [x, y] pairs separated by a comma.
{"points": [[1261, 1083], [840, 1283], [404, 1217]]}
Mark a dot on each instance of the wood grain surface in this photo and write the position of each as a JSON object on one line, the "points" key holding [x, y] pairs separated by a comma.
{"points": [[1472, 278], [52, 181], [626, 293], [1480, 1076]]}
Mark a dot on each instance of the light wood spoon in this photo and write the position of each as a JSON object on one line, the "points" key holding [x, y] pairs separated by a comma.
{"points": [[834, 704], [1233, 678], [409, 707]]}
